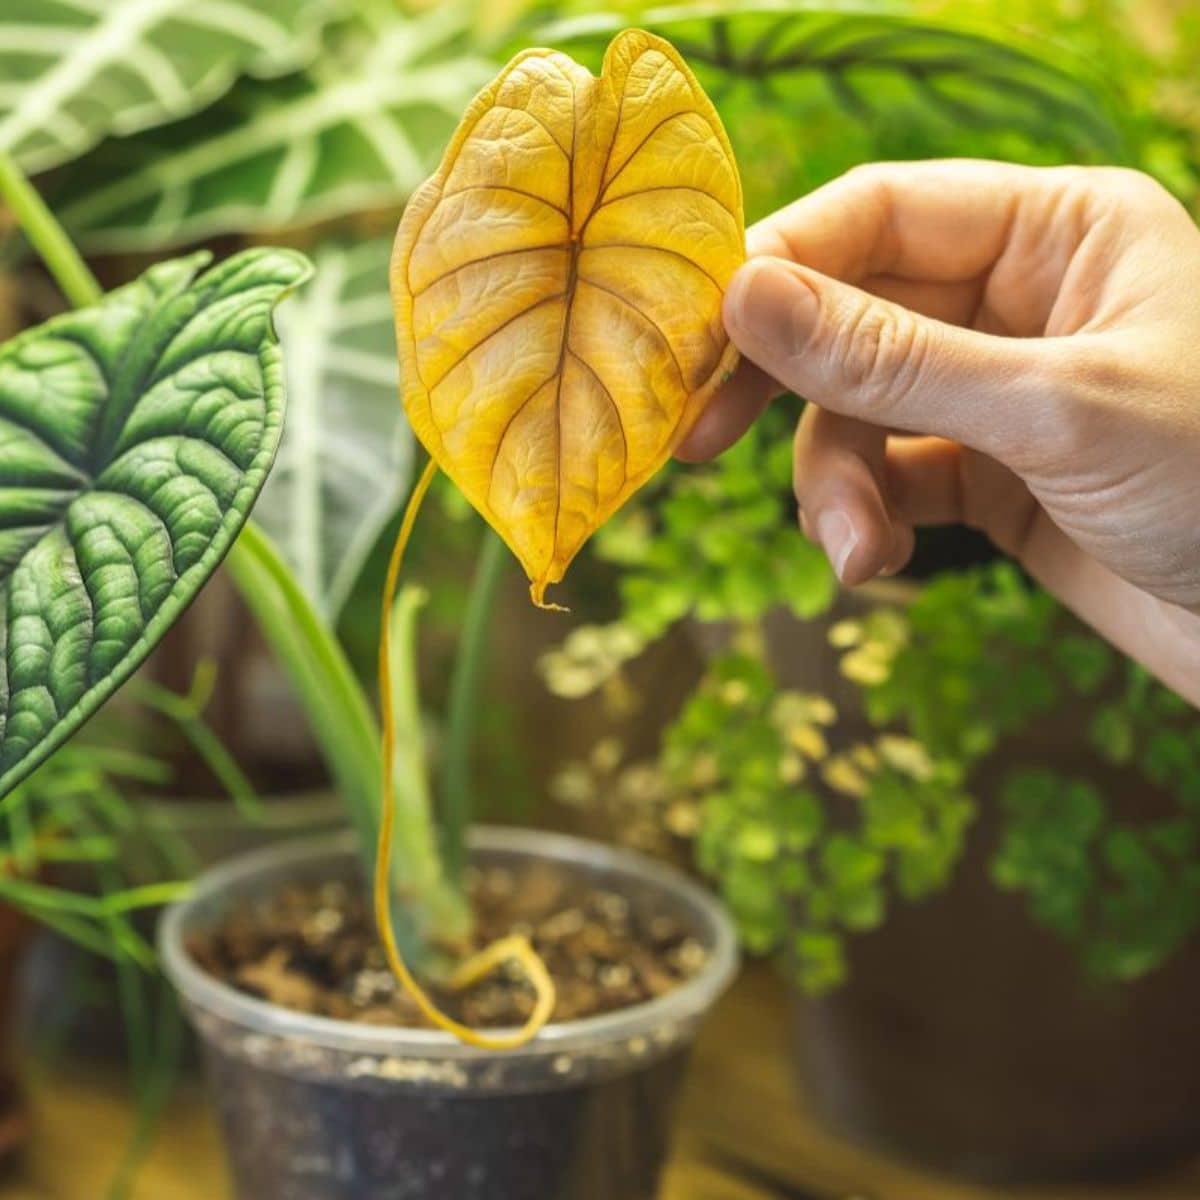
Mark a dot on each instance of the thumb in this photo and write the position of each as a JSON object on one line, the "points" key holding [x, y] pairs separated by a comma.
{"points": [[855, 354]]}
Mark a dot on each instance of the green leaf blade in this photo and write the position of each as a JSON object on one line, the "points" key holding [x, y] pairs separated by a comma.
{"points": [[152, 419], [362, 128], [76, 71]]}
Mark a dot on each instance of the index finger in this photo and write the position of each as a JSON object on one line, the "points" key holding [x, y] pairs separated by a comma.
{"points": [[941, 221], [927, 234]]}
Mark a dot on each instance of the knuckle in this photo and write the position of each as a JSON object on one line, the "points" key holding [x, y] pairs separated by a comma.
{"points": [[878, 352], [867, 172], [1132, 183], [1121, 185]]}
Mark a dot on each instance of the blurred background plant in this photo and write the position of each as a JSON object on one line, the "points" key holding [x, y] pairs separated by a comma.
{"points": [[716, 546], [84, 858], [813, 800], [312, 120]]}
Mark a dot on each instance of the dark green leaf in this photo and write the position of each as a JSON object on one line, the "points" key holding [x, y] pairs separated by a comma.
{"points": [[134, 438]]}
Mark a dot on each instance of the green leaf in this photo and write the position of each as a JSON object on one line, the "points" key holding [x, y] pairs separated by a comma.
{"points": [[134, 438], [1112, 734], [362, 127], [345, 461], [75, 71], [872, 64], [1084, 659], [820, 957], [850, 864]]}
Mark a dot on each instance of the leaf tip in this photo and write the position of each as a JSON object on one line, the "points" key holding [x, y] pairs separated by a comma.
{"points": [[537, 593]]}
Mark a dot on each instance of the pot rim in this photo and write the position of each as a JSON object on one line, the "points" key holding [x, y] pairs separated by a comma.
{"points": [[687, 1002]]}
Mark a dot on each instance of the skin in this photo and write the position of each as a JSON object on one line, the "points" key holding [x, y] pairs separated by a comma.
{"points": [[1012, 348]]}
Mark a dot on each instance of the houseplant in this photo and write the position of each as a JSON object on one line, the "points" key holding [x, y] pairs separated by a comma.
{"points": [[140, 428], [157, 194], [575, 1068], [313, 1106]]}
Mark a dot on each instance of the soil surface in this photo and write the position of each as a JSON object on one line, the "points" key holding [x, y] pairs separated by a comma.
{"points": [[314, 948]]}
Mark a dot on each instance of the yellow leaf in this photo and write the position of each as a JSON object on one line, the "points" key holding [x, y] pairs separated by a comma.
{"points": [[558, 287]]}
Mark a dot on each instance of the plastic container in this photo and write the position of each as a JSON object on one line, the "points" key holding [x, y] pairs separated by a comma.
{"points": [[318, 1109]]}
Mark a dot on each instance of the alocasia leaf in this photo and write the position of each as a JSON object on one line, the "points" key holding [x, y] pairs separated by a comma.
{"points": [[345, 459], [74, 71], [134, 438], [558, 287], [362, 126]]}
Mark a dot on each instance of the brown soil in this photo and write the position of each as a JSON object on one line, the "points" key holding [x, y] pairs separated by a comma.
{"points": [[314, 948]]}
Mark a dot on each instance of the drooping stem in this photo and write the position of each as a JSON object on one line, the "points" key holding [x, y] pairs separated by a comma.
{"points": [[47, 236], [463, 715], [516, 948]]}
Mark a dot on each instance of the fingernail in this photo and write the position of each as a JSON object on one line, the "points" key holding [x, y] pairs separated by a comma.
{"points": [[770, 302], [837, 536]]}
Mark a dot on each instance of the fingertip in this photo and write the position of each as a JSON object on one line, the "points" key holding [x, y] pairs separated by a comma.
{"points": [[856, 541]]}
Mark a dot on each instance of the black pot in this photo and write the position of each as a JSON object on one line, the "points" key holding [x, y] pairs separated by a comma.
{"points": [[318, 1109]]}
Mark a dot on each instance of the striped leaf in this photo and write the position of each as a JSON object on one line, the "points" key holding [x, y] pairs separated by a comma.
{"points": [[345, 460], [134, 438], [362, 127], [874, 64], [75, 71]]}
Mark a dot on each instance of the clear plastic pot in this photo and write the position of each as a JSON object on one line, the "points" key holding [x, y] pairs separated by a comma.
{"points": [[319, 1109]]}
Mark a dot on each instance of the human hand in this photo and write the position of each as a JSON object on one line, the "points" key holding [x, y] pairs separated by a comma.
{"points": [[1039, 331]]}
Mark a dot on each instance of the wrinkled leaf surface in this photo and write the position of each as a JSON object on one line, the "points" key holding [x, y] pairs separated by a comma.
{"points": [[558, 288], [134, 437]]}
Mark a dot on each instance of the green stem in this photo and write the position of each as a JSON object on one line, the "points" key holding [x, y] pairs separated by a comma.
{"points": [[344, 724], [462, 718], [47, 236], [431, 909], [339, 713]]}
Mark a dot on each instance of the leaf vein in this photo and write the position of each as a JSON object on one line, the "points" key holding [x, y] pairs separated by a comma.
{"points": [[483, 341]]}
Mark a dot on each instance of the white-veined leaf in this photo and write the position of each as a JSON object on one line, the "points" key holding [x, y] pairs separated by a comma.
{"points": [[345, 460], [362, 127], [75, 71]]}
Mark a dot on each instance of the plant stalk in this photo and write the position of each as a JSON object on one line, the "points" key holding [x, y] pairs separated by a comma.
{"points": [[436, 909], [339, 713], [463, 714], [347, 732], [47, 236]]}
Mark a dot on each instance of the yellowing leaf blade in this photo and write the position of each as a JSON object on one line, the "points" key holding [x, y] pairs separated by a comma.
{"points": [[558, 288]]}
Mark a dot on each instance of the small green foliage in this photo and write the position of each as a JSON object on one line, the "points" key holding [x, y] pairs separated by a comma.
{"points": [[981, 657], [966, 663], [719, 542], [1048, 846], [1126, 896], [1150, 727], [1085, 661], [807, 848]]}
